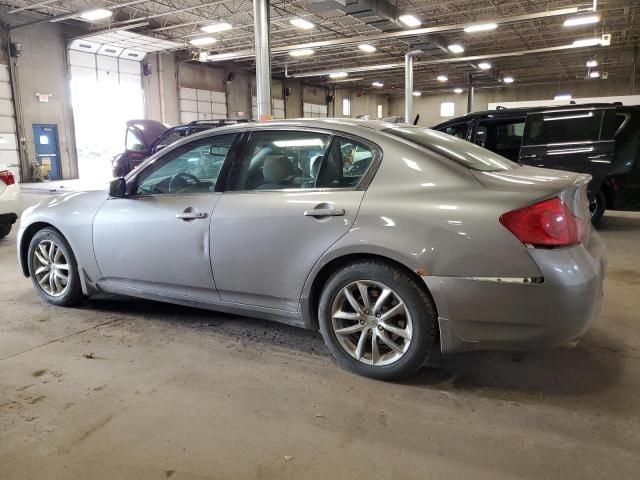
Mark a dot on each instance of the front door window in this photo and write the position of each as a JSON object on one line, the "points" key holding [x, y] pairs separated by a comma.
{"points": [[191, 168]]}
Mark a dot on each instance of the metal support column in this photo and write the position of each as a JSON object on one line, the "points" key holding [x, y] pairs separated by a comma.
{"points": [[470, 93], [263, 58], [408, 85]]}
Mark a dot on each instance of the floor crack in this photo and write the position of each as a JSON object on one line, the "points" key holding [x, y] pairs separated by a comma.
{"points": [[58, 339]]}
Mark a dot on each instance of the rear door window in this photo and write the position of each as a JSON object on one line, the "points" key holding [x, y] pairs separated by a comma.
{"points": [[565, 126], [280, 160], [509, 135], [170, 138], [458, 130]]}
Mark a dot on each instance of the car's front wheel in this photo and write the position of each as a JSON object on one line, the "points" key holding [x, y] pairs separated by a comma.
{"points": [[377, 320], [53, 268]]}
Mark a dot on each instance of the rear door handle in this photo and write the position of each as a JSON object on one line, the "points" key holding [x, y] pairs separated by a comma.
{"points": [[324, 212], [191, 215]]}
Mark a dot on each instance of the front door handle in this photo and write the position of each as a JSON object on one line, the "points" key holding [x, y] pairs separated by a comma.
{"points": [[191, 215], [324, 212]]}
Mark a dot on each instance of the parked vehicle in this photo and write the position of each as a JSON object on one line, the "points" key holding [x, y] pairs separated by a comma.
{"points": [[146, 137], [10, 200], [432, 243], [599, 139]]}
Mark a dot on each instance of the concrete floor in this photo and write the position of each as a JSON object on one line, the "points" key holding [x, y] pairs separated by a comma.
{"points": [[178, 393]]}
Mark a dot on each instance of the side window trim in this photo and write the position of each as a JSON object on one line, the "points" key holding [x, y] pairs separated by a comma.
{"points": [[132, 182]]}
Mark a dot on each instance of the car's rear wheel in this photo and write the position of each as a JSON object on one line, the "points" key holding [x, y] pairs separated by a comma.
{"points": [[597, 206], [377, 320], [53, 268], [5, 229]]}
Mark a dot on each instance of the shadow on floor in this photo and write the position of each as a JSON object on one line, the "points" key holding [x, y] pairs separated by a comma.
{"points": [[593, 365], [619, 222]]}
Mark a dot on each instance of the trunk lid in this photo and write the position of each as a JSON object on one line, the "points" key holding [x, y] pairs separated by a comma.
{"points": [[540, 184]]}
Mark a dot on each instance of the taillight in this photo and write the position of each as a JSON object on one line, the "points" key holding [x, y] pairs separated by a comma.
{"points": [[547, 223], [7, 177]]}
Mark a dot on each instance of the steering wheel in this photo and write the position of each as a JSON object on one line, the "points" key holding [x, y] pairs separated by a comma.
{"points": [[181, 180]]}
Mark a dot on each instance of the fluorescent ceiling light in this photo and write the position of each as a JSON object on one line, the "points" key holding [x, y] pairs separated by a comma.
{"points": [[456, 48], [586, 42], [484, 66], [442, 78], [198, 42], [410, 20], [594, 74], [480, 27], [301, 23], [457, 90], [378, 84], [338, 75], [365, 47], [583, 20], [592, 63], [96, 14], [303, 52], [563, 96], [417, 94], [216, 27], [508, 80]]}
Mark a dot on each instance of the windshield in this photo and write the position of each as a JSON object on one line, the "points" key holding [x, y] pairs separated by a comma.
{"points": [[460, 151]]}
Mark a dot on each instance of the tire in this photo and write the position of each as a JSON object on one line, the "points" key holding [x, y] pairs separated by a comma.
{"points": [[5, 229], [43, 258], [413, 329], [597, 206]]}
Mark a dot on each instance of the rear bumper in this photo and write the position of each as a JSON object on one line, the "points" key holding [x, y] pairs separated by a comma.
{"points": [[487, 314]]}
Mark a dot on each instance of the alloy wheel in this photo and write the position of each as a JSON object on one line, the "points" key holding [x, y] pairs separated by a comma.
{"points": [[371, 323], [51, 268]]}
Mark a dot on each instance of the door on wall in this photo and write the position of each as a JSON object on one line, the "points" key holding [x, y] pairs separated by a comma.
{"points": [[47, 150], [202, 105]]}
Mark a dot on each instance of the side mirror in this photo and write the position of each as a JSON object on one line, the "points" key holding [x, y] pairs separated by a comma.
{"points": [[118, 187]]}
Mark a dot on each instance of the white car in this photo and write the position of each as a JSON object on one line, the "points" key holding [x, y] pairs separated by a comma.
{"points": [[10, 200]]}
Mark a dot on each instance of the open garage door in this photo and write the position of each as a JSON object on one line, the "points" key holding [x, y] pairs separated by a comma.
{"points": [[106, 91], [8, 140]]}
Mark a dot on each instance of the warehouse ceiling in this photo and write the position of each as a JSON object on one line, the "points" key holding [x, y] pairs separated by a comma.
{"points": [[343, 23]]}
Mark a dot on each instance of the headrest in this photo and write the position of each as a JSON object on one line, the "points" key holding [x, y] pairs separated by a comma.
{"points": [[277, 169]]}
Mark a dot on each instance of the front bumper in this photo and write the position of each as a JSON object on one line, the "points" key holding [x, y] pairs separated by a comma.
{"points": [[491, 314], [10, 204]]}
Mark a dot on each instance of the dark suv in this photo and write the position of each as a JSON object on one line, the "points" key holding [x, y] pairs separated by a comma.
{"points": [[146, 137], [602, 140]]}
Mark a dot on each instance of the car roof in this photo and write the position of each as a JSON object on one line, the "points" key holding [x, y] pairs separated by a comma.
{"points": [[514, 112], [347, 125]]}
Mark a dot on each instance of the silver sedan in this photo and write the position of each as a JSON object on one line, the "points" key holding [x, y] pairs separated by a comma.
{"points": [[392, 240]]}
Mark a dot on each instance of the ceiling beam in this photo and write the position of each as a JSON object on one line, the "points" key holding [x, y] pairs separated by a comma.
{"points": [[248, 53], [399, 65]]}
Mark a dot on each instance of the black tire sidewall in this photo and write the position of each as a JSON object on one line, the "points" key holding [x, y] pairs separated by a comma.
{"points": [[74, 293], [417, 300], [601, 206]]}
